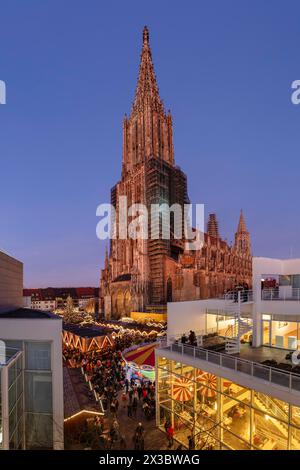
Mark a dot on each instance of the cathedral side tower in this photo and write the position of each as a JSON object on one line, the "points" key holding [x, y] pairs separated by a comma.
{"points": [[242, 243]]}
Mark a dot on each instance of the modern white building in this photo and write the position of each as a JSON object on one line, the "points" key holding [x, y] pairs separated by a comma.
{"points": [[226, 379], [31, 398]]}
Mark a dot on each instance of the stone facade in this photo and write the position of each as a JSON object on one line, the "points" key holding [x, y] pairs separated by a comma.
{"points": [[142, 273]]}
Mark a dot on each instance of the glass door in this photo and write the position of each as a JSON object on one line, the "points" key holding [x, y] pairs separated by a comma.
{"points": [[266, 332]]}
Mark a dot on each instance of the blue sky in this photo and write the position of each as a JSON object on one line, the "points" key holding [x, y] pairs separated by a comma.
{"points": [[224, 68]]}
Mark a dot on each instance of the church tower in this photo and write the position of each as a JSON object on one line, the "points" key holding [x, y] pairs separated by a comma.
{"points": [[242, 237], [142, 274], [212, 226], [147, 132]]}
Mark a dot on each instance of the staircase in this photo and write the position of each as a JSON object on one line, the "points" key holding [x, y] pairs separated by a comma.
{"points": [[241, 326]]}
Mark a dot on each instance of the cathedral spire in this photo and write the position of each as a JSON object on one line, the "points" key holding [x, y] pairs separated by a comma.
{"points": [[242, 224], [147, 90], [148, 131], [242, 236]]}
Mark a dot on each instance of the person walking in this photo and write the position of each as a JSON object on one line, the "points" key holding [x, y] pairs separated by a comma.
{"points": [[113, 407], [170, 436], [116, 401], [191, 443], [130, 395], [129, 410], [139, 437], [140, 429], [116, 428], [124, 399], [167, 425], [134, 406]]}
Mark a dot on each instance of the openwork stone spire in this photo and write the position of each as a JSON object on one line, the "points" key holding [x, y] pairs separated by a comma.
{"points": [[148, 131], [242, 224], [147, 92], [242, 236]]}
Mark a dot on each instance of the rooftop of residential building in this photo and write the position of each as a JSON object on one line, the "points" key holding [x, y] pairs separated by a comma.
{"points": [[51, 293]]}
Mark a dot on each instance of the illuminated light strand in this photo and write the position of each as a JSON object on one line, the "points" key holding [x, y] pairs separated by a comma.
{"points": [[97, 413]]}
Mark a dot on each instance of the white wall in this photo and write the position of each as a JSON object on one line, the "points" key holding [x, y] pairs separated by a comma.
{"points": [[263, 266], [191, 315], [11, 283], [43, 330], [186, 316]]}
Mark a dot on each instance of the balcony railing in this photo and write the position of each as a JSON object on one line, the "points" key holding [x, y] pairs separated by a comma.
{"points": [[269, 374], [239, 296], [277, 294]]}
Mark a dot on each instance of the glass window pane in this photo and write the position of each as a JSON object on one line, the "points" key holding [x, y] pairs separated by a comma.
{"points": [[163, 379], [39, 431], [182, 429], [233, 442], [284, 334], [295, 419], [38, 392], [266, 330], [236, 417], [164, 363], [38, 355], [268, 432], [295, 438], [272, 406], [236, 391]]}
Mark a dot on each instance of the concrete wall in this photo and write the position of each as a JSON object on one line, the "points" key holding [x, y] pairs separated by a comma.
{"points": [[190, 315], [11, 283], [43, 330], [265, 266]]}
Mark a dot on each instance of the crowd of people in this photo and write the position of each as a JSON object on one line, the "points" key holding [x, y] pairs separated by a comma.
{"points": [[107, 372]]}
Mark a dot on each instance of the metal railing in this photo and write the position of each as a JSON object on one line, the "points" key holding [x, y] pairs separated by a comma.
{"points": [[272, 375], [198, 333], [275, 294], [244, 295]]}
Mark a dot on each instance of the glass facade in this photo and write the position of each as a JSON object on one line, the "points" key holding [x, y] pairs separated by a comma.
{"points": [[37, 408], [225, 325], [12, 403], [15, 405], [280, 333], [211, 412]]}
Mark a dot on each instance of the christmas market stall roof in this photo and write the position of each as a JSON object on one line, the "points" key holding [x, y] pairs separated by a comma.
{"points": [[87, 338]]}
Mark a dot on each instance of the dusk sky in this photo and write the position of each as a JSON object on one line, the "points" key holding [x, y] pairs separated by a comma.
{"points": [[224, 68]]}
